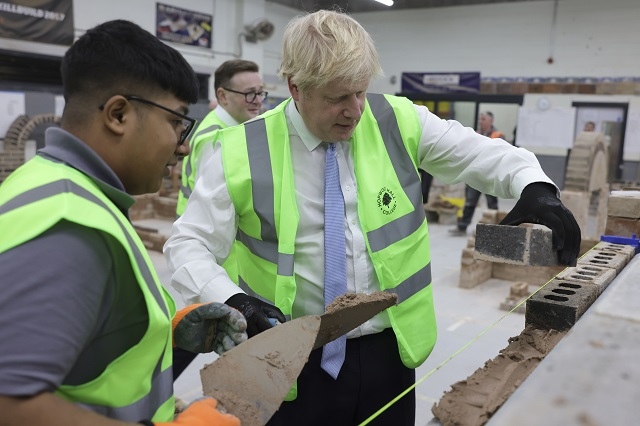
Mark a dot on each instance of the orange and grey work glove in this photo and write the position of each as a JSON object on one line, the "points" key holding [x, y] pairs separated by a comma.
{"points": [[202, 413], [208, 327]]}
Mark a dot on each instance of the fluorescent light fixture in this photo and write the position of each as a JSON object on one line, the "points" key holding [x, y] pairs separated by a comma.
{"points": [[386, 2]]}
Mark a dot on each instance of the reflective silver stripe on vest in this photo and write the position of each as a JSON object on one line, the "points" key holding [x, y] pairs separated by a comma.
{"points": [[263, 194], [186, 190], [162, 382], [65, 185], [268, 250], [413, 284], [406, 225], [161, 391]]}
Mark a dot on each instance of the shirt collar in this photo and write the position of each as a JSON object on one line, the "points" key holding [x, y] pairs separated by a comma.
{"points": [[308, 139], [225, 117], [62, 146]]}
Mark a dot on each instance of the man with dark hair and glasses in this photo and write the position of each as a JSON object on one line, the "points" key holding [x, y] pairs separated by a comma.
{"points": [[89, 334]]}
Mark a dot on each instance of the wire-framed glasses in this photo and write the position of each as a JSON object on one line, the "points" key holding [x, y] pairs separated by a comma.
{"points": [[187, 123]]}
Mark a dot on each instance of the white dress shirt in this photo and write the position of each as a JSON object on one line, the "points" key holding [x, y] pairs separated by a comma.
{"points": [[203, 235]]}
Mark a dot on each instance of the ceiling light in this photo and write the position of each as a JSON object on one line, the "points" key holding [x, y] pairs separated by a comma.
{"points": [[386, 2]]}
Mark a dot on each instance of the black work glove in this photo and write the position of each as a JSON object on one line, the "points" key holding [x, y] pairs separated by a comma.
{"points": [[256, 312], [540, 204]]}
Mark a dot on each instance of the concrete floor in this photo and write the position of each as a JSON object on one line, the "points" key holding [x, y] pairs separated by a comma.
{"points": [[471, 327]]}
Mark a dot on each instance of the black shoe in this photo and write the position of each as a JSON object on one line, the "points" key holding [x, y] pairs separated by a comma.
{"points": [[457, 232]]}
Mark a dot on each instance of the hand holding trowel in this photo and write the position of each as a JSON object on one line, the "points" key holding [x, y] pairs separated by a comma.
{"points": [[252, 379]]}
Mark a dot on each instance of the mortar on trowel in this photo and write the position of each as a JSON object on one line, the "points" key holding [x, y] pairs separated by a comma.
{"points": [[251, 380]]}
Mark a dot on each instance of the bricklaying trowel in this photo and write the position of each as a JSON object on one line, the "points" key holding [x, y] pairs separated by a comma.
{"points": [[252, 379]]}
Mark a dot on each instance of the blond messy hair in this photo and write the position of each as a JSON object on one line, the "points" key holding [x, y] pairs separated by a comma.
{"points": [[326, 46]]}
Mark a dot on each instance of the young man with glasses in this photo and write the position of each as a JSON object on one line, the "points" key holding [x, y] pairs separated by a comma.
{"points": [[89, 334], [239, 93]]}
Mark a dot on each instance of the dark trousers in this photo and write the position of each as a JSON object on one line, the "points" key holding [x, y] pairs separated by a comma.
{"points": [[425, 179], [471, 198], [371, 376], [181, 360]]}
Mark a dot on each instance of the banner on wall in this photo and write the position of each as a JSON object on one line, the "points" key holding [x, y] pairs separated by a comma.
{"points": [[440, 82], [183, 26], [44, 21]]}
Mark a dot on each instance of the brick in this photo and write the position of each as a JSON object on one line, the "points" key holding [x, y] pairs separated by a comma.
{"points": [[520, 245], [519, 289], [489, 216], [559, 304], [622, 226], [606, 88], [597, 276], [587, 89], [552, 88], [625, 87], [536, 88], [473, 272], [624, 204], [605, 259], [534, 275], [487, 87], [578, 203], [519, 88], [627, 250], [503, 88]]}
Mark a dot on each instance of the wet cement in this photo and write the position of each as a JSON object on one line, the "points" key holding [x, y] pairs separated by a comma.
{"points": [[473, 401]]}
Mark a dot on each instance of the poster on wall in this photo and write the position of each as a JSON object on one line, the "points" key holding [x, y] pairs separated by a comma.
{"points": [[44, 21], [551, 128], [440, 82], [183, 26]]}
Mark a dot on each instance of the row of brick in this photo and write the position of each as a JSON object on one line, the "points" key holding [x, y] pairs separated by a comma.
{"points": [[562, 301]]}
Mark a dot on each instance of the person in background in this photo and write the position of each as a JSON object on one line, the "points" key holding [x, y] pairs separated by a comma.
{"points": [[239, 91], [88, 332], [472, 195], [239, 96], [324, 196]]}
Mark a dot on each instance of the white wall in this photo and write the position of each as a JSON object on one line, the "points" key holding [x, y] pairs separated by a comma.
{"points": [[229, 19], [593, 38], [280, 16], [597, 38]]}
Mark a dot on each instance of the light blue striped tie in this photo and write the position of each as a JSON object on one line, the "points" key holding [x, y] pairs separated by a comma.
{"points": [[335, 256]]}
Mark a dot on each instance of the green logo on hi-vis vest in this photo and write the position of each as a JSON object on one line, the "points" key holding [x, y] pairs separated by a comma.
{"points": [[387, 201]]}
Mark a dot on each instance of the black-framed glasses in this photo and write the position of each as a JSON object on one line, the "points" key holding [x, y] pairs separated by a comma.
{"points": [[187, 123], [250, 96]]}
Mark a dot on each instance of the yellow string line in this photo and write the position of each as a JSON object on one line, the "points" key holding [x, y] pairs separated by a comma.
{"points": [[456, 353]]}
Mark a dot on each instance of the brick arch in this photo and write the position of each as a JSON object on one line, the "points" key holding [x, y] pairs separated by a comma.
{"points": [[18, 133], [26, 130]]}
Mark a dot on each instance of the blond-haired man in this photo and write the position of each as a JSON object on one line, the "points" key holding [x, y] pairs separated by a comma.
{"points": [[277, 183]]}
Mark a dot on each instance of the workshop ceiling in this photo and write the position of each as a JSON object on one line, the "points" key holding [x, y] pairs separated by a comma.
{"points": [[354, 6]]}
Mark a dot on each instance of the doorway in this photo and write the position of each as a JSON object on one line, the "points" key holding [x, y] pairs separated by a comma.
{"points": [[609, 119]]}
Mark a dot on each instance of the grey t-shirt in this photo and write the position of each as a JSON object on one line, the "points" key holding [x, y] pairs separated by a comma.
{"points": [[69, 300]]}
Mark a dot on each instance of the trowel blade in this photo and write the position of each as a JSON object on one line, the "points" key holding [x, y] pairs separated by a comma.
{"points": [[252, 379], [351, 315]]}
